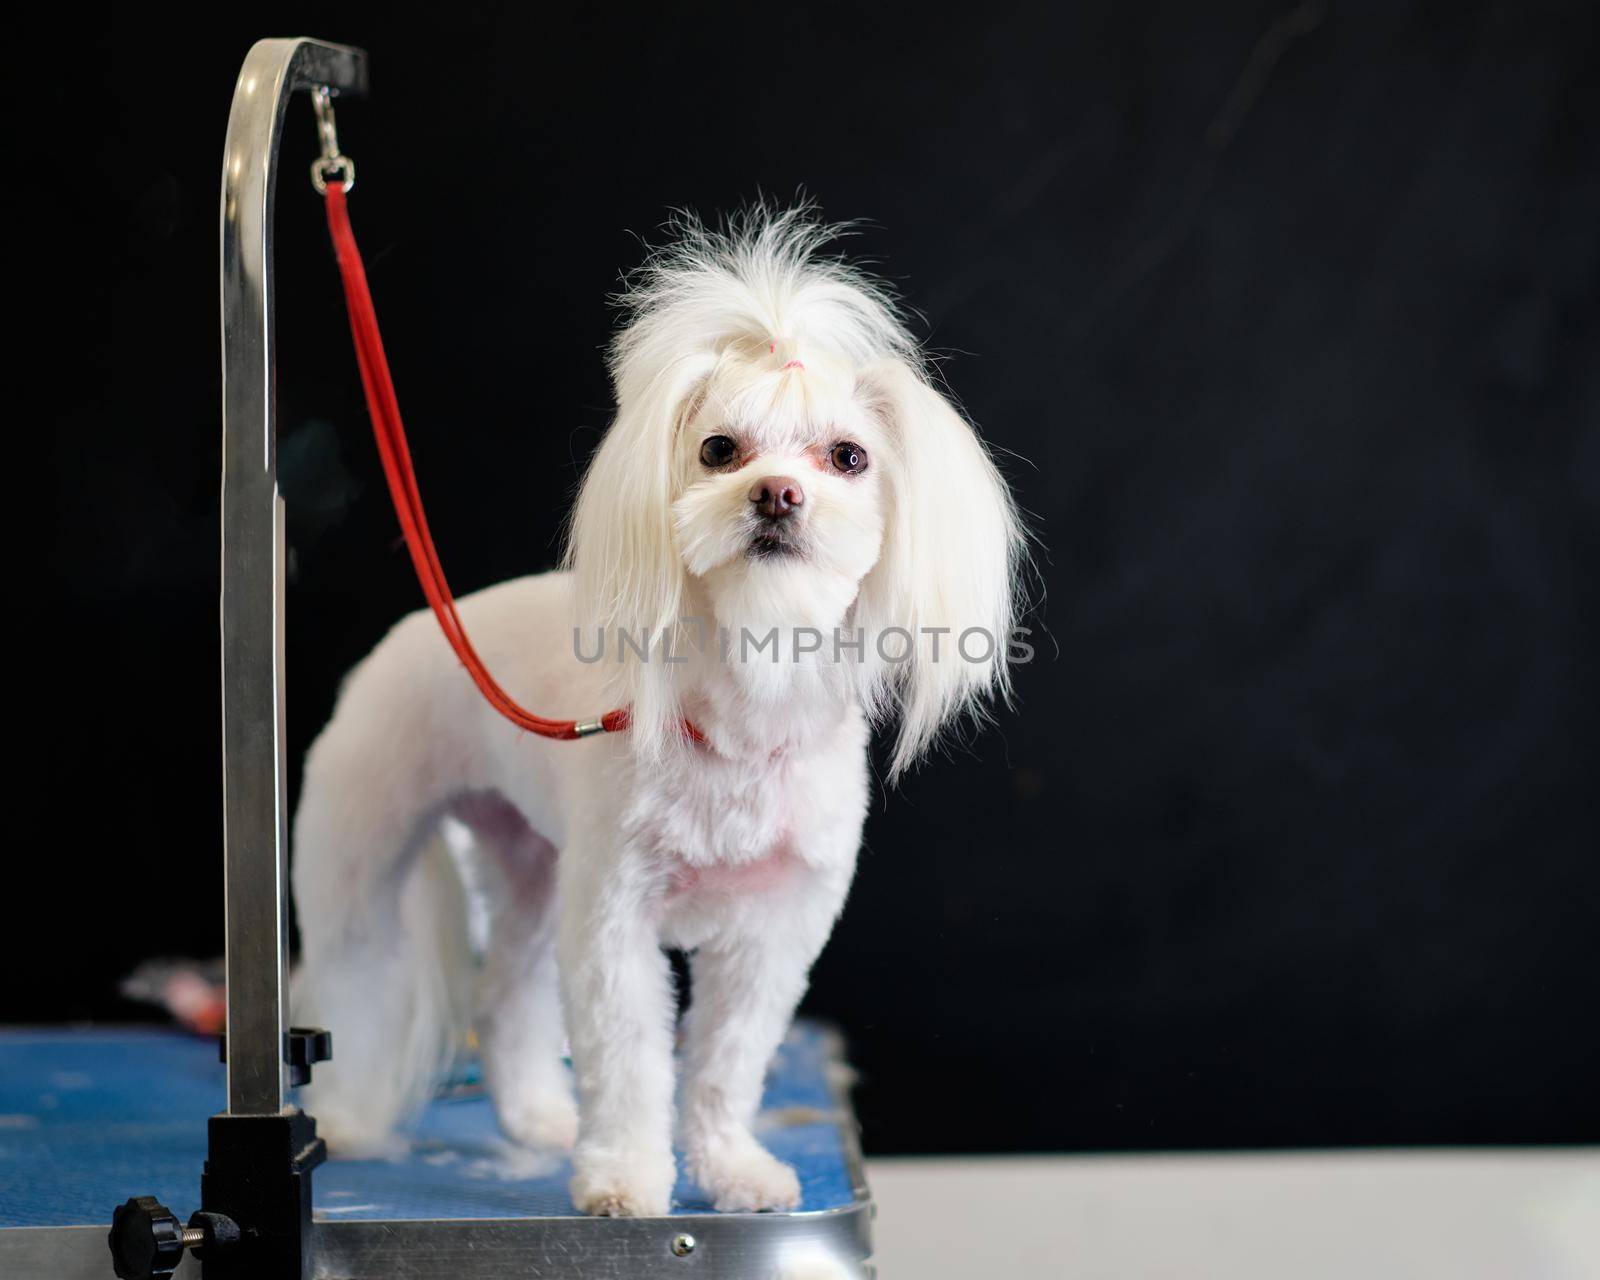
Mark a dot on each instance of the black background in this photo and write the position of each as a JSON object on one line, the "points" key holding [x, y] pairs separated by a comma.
{"points": [[1287, 315]]}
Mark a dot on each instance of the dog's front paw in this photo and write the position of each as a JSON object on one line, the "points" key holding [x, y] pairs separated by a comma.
{"points": [[744, 1177], [622, 1184], [546, 1122]]}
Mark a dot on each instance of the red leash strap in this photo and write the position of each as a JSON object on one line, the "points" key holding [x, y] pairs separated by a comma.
{"points": [[392, 448]]}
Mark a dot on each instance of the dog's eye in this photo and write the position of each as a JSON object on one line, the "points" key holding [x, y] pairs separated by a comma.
{"points": [[849, 457], [718, 451]]}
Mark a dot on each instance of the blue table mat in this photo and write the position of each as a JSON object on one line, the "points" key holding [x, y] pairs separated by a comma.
{"points": [[90, 1117]]}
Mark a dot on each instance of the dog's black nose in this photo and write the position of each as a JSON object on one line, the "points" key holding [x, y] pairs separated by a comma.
{"points": [[777, 496]]}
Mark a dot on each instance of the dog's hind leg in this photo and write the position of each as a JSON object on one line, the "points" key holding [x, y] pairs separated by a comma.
{"points": [[519, 1006], [386, 961]]}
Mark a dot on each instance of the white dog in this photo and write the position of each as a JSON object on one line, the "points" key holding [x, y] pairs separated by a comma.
{"points": [[813, 541]]}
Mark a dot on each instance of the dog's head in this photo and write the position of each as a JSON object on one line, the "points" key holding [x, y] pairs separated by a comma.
{"points": [[780, 457]]}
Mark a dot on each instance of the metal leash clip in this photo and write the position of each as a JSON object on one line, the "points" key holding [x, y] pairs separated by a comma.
{"points": [[331, 165]]}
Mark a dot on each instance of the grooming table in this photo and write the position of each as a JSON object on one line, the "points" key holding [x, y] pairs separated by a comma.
{"points": [[97, 1120], [87, 1115]]}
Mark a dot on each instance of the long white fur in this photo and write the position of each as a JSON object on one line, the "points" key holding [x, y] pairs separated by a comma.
{"points": [[602, 851]]}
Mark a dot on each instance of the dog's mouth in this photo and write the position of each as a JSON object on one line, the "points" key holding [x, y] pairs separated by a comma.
{"points": [[772, 546]]}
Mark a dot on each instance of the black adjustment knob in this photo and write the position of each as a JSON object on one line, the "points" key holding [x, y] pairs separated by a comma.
{"points": [[146, 1239], [304, 1046], [147, 1242]]}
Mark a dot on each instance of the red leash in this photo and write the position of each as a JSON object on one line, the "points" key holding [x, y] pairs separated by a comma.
{"points": [[390, 434]]}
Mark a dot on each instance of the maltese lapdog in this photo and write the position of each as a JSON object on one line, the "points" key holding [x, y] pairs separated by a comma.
{"points": [[787, 536]]}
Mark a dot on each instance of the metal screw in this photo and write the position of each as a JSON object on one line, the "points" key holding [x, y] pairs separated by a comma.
{"points": [[683, 1245]]}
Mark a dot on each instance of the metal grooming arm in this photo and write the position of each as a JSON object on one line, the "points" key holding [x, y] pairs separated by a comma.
{"points": [[255, 1215], [253, 771]]}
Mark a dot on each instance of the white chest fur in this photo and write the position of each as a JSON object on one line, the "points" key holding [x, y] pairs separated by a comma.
{"points": [[736, 834]]}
